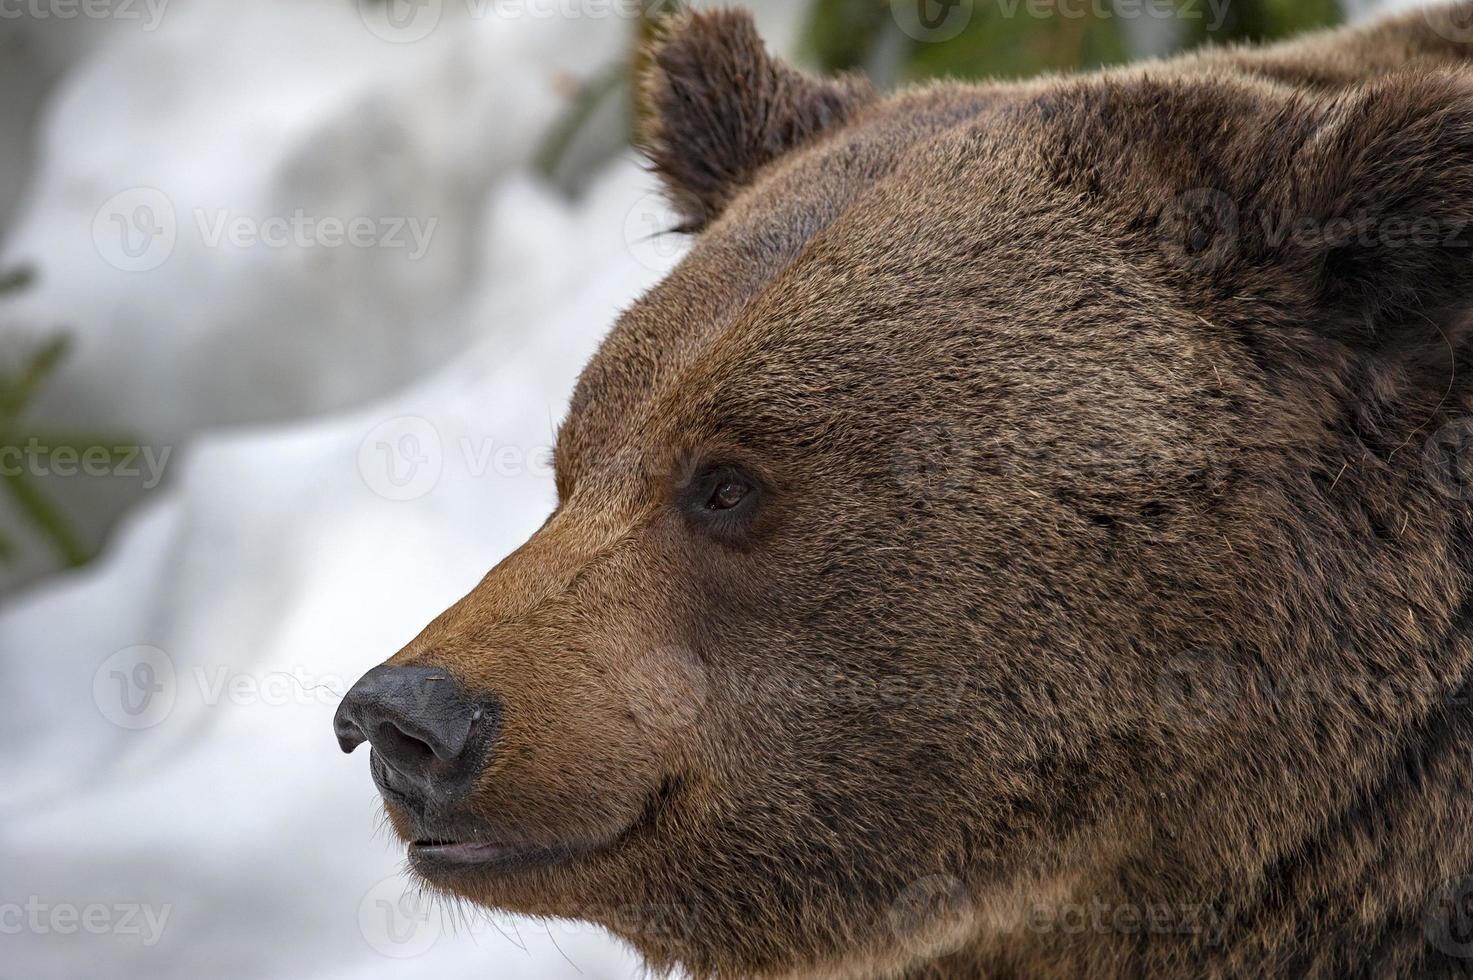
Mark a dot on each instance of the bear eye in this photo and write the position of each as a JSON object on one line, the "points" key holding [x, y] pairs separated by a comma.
{"points": [[728, 494], [721, 500]]}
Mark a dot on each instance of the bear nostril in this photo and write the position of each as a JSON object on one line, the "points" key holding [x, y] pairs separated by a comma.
{"points": [[422, 726], [396, 743]]}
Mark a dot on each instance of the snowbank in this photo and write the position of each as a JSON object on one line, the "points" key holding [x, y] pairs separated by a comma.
{"points": [[197, 668], [198, 177]]}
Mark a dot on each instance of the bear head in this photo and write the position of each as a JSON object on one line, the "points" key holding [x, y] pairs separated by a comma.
{"points": [[975, 518]]}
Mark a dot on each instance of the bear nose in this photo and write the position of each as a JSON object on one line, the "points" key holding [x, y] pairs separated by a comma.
{"points": [[421, 724]]}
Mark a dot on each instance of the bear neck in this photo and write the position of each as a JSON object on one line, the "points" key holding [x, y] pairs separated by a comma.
{"points": [[1384, 887]]}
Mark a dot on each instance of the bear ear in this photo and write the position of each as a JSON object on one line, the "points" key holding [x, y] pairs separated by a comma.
{"points": [[1370, 222], [717, 108]]}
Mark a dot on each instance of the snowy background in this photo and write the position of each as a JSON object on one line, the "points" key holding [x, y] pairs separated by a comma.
{"points": [[311, 263]]}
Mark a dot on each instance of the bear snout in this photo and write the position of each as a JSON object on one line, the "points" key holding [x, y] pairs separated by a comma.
{"points": [[430, 739]]}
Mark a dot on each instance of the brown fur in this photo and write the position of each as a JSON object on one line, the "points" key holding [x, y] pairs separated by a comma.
{"points": [[1101, 614]]}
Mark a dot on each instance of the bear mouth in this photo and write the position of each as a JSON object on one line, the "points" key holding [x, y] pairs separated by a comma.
{"points": [[438, 857], [432, 856]]}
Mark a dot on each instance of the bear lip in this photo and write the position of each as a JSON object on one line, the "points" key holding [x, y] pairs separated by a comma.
{"points": [[447, 857], [464, 852], [429, 855]]}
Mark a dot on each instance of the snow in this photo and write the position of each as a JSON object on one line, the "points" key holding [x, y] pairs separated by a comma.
{"points": [[1361, 9], [283, 563], [359, 434], [283, 559], [288, 107]]}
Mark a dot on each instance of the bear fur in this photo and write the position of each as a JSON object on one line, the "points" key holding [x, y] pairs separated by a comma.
{"points": [[1098, 599]]}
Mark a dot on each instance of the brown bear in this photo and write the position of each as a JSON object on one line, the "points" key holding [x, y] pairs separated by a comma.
{"points": [[1026, 537]]}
